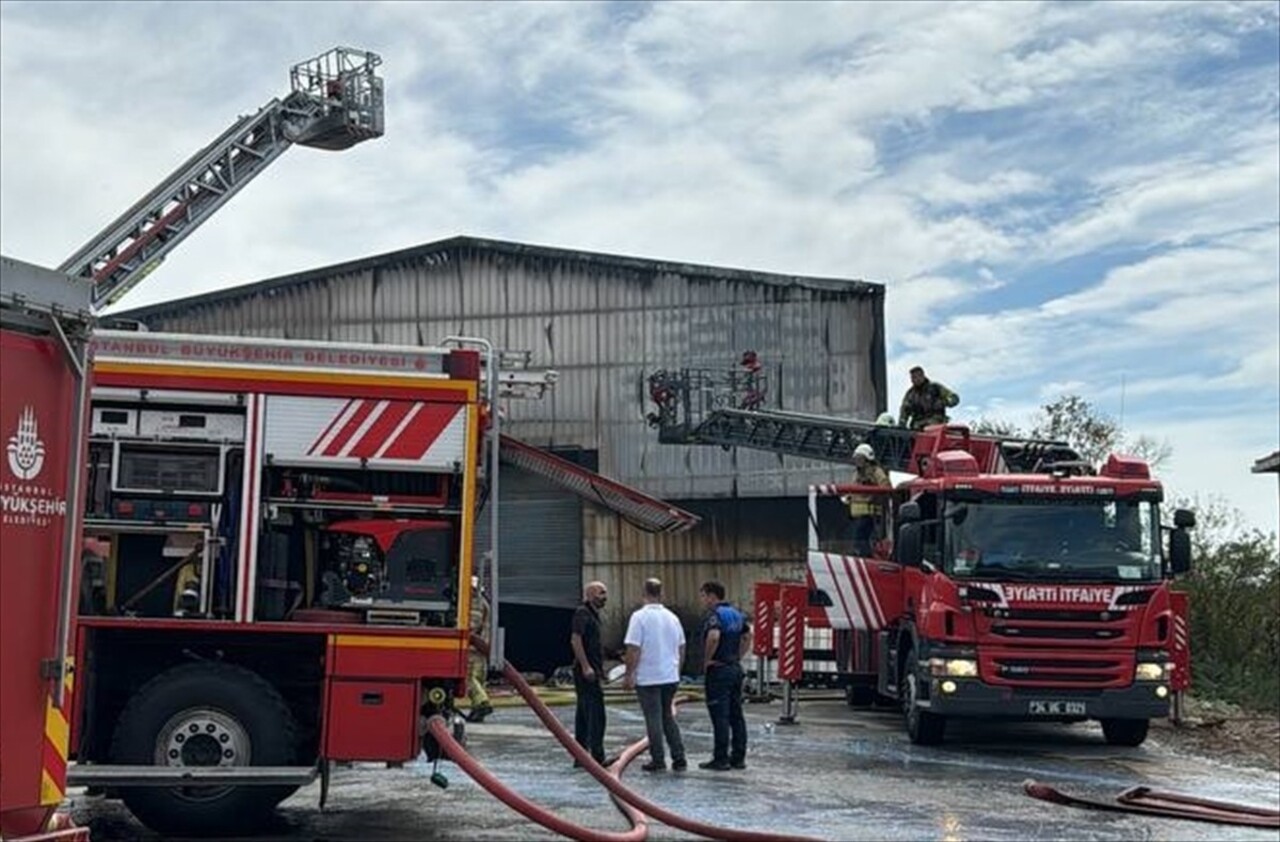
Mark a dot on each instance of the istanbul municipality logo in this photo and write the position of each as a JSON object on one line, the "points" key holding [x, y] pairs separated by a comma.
{"points": [[26, 450]]}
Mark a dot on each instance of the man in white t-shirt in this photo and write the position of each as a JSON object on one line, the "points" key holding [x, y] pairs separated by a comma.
{"points": [[655, 651]]}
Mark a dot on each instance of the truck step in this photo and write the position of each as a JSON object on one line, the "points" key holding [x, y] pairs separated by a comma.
{"points": [[121, 775]]}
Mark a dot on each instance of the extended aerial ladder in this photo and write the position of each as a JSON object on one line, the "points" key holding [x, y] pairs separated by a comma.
{"points": [[336, 101], [703, 406]]}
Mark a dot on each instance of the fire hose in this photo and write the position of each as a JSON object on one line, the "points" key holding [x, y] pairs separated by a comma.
{"points": [[611, 780], [1172, 805]]}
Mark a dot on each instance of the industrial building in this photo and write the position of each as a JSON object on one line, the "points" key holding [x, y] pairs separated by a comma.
{"points": [[604, 323]]}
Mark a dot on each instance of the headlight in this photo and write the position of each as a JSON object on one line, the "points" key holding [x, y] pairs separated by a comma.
{"points": [[1150, 672], [958, 667]]}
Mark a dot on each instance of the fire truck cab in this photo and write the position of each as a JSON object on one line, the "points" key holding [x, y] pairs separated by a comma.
{"points": [[1039, 596]]}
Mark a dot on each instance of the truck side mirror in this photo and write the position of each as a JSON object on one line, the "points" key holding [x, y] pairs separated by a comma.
{"points": [[909, 513], [1179, 552], [1184, 518], [909, 546]]}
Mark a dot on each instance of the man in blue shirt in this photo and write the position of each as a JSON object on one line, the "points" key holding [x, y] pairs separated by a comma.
{"points": [[724, 640]]}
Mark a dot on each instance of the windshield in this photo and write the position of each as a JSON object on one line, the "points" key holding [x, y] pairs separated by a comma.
{"points": [[1112, 540]]}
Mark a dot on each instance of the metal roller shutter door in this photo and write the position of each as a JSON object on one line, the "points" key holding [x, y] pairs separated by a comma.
{"points": [[540, 541]]}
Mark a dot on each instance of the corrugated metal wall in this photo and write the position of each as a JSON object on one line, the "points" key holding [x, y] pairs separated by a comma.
{"points": [[739, 542], [605, 324]]}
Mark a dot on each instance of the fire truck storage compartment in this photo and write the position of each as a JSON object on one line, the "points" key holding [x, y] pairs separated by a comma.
{"points": [[379, 720]]}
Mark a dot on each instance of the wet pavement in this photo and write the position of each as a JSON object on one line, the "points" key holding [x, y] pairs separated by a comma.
{"points": [[838, 774]]}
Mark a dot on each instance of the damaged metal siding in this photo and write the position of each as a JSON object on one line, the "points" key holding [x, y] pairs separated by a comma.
{"points": [[738, 543], [605, 323]]}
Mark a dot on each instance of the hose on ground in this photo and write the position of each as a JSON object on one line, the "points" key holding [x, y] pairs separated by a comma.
{"points": [[613, 784], [439, 729]]}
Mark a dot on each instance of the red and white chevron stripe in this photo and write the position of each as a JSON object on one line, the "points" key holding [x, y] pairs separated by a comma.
{"points": [[320, 429], [855, 603]]}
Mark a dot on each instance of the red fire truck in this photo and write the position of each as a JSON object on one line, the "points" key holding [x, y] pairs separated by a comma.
{"points": [[278, 556], [1033, 594], [44, 324], [1013, 581]]}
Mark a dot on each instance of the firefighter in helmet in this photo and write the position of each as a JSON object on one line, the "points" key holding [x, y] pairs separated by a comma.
{"points": [[865, 510]]}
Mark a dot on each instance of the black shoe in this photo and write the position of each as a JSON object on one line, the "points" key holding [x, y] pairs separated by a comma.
{"points": [[737, 764], [610, 760], [679, 765], [716, 765], [478, 714], [654, 766]]}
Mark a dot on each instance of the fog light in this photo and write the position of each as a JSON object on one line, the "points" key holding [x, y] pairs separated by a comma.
{"points": [[948, 687], [1162, 692], [1150, 672]]}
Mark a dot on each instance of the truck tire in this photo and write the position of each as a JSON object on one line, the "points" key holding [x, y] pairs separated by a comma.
{"points": [[1125, 732], [923, 727], [205, 714]]}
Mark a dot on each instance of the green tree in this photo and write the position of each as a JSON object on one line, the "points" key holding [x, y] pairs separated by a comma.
{"points": [[1093, 433], [1234, 589]]}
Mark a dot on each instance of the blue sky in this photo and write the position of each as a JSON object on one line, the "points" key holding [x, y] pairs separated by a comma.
{"points": [[1058, 196]]}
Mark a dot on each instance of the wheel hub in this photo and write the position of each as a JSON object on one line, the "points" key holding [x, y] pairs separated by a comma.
{"points": [[202, 737]]}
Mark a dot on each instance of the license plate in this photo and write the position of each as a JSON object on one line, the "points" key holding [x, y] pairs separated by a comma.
{"points": [[1056, 708]]}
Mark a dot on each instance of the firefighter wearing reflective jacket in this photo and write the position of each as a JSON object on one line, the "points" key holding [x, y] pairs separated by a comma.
{"points": [[926, 402], [865, 509], [477, 664]]}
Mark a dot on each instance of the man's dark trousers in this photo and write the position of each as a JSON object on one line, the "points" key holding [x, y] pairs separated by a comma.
{"points": [[724, 704], [588, 720]]}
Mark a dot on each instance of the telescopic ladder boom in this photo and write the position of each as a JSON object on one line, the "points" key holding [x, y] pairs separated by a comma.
{"points": [[336, 101], [697, 406]]}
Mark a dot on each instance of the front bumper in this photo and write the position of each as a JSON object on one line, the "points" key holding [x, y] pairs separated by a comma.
{"points": [[972, 697]]}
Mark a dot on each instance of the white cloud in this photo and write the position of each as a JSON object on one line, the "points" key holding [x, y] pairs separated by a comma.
{"points": [[1054, 194]]}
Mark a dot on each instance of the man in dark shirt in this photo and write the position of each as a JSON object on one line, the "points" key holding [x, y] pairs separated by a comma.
{"points": [[724, 639], [588, 668]]}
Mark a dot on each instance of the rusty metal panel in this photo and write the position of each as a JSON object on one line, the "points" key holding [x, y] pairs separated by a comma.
{"points": [[738, 543]]}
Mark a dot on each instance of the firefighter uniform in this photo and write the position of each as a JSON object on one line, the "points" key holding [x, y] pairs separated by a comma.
{"points": [[865, 509], [925, 403], [477, 664]]}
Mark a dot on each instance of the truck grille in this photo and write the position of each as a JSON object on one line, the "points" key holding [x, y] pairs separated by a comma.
{"points": [[1055, 632], [1058, 624], [1047, 669]]}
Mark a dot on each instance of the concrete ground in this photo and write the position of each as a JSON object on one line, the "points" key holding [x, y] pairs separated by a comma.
{"points": [[838, 774]]}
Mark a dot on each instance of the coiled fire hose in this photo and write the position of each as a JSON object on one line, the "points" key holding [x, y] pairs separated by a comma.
{"points": [[611, 781]]}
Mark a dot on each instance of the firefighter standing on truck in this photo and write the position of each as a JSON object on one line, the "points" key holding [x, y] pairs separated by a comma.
{"points": [[926, 402], [865, 509], [478, 664]]}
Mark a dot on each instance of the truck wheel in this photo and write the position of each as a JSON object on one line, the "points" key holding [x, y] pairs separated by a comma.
{"points": [[205, 714], [923, 728], [1125, 732]]}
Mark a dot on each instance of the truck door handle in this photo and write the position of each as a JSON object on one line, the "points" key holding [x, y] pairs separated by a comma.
{"points": [[370, 698]]}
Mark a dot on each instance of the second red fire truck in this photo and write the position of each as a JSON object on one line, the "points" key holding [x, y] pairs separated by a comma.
{"points": [[1013, 580]]}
